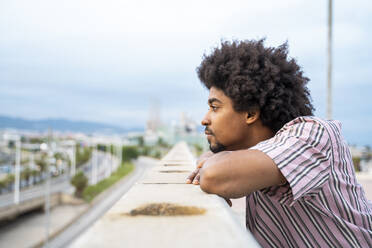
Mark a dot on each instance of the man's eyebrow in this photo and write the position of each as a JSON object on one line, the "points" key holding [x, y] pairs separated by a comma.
{"points": [[212, 100]]}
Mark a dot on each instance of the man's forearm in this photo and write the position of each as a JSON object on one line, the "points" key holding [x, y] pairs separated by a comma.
{"points": [[238, 173]]}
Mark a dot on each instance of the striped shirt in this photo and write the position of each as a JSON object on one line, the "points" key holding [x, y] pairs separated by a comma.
{"points": [[322, 204]]}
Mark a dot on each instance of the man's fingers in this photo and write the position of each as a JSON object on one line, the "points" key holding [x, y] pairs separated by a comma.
{"points": [[191, 177], [195, 176], [196, 179]]}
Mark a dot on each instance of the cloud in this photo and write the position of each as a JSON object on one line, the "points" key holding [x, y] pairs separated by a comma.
{"points": [[109, 60]]}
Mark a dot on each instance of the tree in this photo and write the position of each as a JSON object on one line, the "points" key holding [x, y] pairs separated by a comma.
{"points": [[35, 174], [2, 184], [129, 153], [162, 143], [9, 180], [356, 162], [101, 147], [83, 155], [157, 154], [26, 174], [79, 181], [42, 162], [36, 140], [141, 141], [198, 149], [145, 151]]}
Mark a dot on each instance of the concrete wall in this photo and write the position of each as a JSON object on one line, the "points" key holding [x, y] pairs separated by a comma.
{"points": [[162, 211]]}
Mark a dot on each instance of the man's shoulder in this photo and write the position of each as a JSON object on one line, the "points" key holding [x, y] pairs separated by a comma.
{"points": [[311, 122], [310, 130], [307, 119]]}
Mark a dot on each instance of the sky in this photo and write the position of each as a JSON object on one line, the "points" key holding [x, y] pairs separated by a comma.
{"points": [[112, 61]]}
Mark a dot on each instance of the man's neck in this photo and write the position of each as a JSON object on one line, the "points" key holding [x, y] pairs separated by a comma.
{"points": [[257, 134]]}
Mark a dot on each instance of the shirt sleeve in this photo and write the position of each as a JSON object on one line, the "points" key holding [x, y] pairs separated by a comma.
{"points": [[302, 151]]}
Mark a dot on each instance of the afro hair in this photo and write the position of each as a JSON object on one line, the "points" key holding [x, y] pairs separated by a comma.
{"points": [[260, 78]]}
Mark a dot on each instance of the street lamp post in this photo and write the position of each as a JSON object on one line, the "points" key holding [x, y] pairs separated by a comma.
{"points": [[111, 153], [32, 166], [108, 160], [47, 149], [71, 152], [329, 57], [73, 159], [17, 171], [120, 155], [94, 164]]}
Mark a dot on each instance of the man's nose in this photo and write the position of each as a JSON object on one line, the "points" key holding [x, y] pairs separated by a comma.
{"points": [[206, 121]]}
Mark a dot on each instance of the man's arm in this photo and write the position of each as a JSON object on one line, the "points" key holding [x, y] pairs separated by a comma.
{"points": [[237, 173]]}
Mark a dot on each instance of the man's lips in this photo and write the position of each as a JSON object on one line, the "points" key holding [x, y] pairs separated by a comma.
{"points": [[208, 133]]}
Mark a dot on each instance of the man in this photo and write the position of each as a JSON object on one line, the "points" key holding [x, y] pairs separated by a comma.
{"points": [[295, 170]]}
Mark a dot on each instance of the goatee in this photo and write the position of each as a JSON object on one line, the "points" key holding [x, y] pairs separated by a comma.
{"points": [[218, 147]]}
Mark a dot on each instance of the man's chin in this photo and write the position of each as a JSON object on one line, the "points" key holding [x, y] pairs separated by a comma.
{"points": [[218, 147]]}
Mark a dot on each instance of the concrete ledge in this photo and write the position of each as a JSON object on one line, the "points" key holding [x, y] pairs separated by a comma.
{"points": [[162, 211], [364, 175]]}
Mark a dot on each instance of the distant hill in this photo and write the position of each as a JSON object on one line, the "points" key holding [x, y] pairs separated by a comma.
{"points": [[62, 125]]}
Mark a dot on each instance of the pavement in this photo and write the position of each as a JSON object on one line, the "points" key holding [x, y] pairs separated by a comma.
{"points": [[238, 208], [365, 179], [30, 229]]}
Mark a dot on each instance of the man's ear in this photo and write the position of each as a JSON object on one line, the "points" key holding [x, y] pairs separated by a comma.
{"points": [[252, 116]]}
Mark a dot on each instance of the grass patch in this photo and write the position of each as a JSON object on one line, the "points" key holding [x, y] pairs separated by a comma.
{"points": [[93, 190]]}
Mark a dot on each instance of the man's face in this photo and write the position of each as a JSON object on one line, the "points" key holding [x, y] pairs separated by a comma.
{"points": [[225, 128]]}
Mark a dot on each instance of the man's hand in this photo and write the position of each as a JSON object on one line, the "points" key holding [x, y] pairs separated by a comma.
{"points": [[194, 177], [204, 160]]}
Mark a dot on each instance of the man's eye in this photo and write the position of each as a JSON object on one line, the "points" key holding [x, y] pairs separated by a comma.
{"points": [[213, 108]]}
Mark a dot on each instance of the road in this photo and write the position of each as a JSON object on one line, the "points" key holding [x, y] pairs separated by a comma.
{"points": [[58, 184], [105, 165], [68, 235]]}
